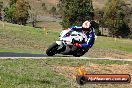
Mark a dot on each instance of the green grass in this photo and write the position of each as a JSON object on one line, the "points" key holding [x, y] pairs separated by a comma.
{"points": [[118, 44], [25, 39], [75, 63], [17, 38], [29, 73]]}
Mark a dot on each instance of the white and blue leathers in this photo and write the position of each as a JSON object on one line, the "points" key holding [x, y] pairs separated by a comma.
{"points": [[89, 36]]}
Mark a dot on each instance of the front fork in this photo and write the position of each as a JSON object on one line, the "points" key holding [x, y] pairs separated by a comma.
{"points": [[59, 43]]}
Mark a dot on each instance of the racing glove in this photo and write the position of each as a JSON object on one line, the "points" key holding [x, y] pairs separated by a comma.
{"points": [[77, 45]]}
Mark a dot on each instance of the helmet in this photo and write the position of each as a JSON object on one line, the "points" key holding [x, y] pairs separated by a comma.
{"points": [[86, 25]]}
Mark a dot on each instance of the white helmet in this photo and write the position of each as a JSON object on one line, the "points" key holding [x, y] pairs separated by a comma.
{"points": [[86, 24]]}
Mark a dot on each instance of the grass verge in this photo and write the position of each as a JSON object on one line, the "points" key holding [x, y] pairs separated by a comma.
{"points": [[18, 38], [57, 73], [25, 39], [114, 43]]}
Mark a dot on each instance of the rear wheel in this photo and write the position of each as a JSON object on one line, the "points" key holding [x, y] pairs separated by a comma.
{"points": [[79, 52], [52, 50]]}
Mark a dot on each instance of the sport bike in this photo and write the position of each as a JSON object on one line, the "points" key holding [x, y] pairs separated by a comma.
{"points": [[65, 44]]}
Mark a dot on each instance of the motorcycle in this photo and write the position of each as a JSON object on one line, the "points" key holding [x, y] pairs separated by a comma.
{"points": [[65, 44]]}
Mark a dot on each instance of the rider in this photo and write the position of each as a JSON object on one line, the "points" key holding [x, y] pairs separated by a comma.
{"points": [[89, 34]]}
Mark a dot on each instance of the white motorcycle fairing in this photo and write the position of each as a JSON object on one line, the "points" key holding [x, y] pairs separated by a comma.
{"points": [[65, 44], [67, 36]]}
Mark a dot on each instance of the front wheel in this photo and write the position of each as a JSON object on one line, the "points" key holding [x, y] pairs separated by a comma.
{"points": [[52, 49]]}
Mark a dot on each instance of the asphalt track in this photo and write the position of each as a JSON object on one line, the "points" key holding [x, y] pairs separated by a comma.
{"points": [[10, 55]]}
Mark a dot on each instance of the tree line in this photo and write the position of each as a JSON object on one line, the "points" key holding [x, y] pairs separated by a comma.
{"points": [[115, 15], [18, 11]]}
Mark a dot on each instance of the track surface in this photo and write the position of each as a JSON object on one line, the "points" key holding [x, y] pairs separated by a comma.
{"points": [[10, 55]]}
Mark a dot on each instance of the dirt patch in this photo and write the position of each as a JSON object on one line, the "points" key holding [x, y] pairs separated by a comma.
{"points": [[108, 53], [110, 69], [71, 72], [94, 69]]}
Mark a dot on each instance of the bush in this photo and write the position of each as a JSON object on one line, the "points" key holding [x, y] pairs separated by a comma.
{"points": [[130, 35], [75, 12]]}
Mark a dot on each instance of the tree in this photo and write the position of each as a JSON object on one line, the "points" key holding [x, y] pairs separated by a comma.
{"points": [[114, 18], [12, 2], [1, 6], [53, 11], [10, 13], [21, 13], [44, 6], [75, 12]]}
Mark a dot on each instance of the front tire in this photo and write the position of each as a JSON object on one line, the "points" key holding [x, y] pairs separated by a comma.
{"points": [[52, 49]]}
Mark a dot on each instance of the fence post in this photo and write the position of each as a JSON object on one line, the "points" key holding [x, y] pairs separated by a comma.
{"points": [[115, 39], [45, 30]]}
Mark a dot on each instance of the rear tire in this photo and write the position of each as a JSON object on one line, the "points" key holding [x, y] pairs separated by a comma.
{"points": [[52, 49], [79, 52], [76, 54]]}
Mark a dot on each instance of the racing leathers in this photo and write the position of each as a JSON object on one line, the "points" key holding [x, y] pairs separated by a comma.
{"points": [[89, 36]]}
